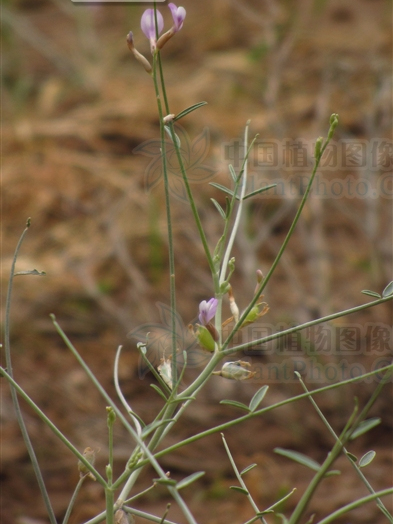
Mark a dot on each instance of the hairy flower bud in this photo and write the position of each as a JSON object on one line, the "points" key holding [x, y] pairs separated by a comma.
{"points": [[238, 370]]}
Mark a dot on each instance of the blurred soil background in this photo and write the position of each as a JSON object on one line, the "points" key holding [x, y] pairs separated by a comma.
{"points": [[75, 106]]}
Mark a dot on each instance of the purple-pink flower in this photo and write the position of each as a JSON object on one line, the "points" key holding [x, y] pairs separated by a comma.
{"points": [[207, 310], [148, 26], [178, 14]]}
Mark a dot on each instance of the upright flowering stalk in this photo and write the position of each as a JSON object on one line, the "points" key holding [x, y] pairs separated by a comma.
{"points": [[148, 26]]}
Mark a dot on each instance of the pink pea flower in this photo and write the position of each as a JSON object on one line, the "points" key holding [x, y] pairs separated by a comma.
{"points": [[178, 14], [148, 26], [207, 310]]}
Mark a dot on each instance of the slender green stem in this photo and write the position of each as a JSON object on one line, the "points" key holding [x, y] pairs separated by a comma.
{"points": [[51, 426], [320, 474], [294, 329], [242, 178], [14, 396], [163, 87], [173, 491], [204, 376], [119, 392], [261, 411], [172, 281], [335, 436], [91, 375], [240, 479], [109, 502], [185, 179], [333, 124], [73, 499], [350, 427], [353, 505], [147, 516], [110, 421]]}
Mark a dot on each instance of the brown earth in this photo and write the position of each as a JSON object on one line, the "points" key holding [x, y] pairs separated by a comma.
{"points": [[75, 106]]}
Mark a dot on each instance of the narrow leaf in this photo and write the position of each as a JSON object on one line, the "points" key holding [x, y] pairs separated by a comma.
{"points": [[285, 497], [219, 208], [388, 290], [298, 457], [190, 479], [159, 391], [258, 397], [222, 188], [239, 489], [367, 458], [233, 173], [333, 473], [135, 415], [371, 293], [248, 468], [189, 110], [260, 190], [365, 426], [235, 404]]}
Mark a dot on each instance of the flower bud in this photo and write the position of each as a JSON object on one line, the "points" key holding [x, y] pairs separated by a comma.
{"points": [[111, 416], [333, 125], [318, 146], [259, 280], [238, 370], [207, 310], [90, 456], [141, 59], [232, 305]]}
